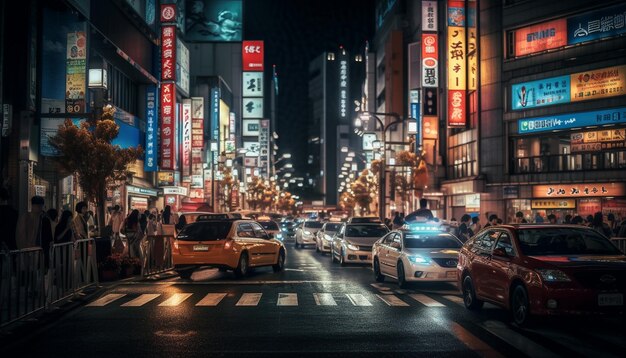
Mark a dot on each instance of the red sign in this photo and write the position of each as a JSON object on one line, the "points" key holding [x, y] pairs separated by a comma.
{"points": [[252, 55], [168, 53], [541, 37], [168, 13], [430, 52], [168, 122], [456, 108]]}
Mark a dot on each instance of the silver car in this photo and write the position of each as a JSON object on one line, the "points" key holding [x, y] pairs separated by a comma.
{"points": [[414, 254], [325, 236], [353, 243], [306, 233]]}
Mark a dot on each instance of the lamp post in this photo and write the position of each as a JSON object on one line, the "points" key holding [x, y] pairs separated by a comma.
{"points": [[384, 128]]}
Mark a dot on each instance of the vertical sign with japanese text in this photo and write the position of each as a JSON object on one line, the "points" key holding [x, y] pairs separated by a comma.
{"points": [[197, 122], [472, 47], [343, 86], [75, 72], [168, 53], [168, 119], [186, 137], [264, 146], [150, 162], [457, 65], [430, 50], [429, 16]]}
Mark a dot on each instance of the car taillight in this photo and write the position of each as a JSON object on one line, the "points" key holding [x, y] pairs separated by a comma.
{"points": [[228, 244], [176, 244]]}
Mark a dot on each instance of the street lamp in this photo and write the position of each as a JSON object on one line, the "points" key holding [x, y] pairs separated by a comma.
{"points": [[360, 120]]}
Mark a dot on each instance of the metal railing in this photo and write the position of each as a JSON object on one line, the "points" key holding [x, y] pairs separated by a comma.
{"points": [[73, 267], [604, 160], [157, 254], [22, 287], [620, 242]]}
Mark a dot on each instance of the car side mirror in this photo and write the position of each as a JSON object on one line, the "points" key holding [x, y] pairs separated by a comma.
{"points": [[500, 252], [269, 236]]}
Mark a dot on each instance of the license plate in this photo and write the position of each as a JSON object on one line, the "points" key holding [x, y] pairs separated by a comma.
{"points": [[201, 247], [451, 274], [611, 299]]}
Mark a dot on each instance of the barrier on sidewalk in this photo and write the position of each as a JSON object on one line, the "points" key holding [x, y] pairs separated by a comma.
{"points": [[620, 242], [22, 287], [86, 267], [73, 267], [157, 254]]}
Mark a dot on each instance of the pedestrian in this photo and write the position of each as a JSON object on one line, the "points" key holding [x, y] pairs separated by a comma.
{"points": [[33, 226], [397, 221], [475, 225], [578, 220], [116, 220], [463, 232], [131, 229], [143, 221], [589, 219], [180, 225], [63, 231], [493, 220], [80, 228], [519, 218], [499, 221], [423, 212], [388, 223], [53, 215], [8, 222], [552, 219], [599, 225], [169, 218], [538, 218], [613, 224], [91, 223], [622, 229], [153, 225], [568, 219]]}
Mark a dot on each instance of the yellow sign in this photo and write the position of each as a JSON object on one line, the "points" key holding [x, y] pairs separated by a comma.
{"points": [[457, 65], [472, 59], [553, 204], [598, 140], [600, 83], [579, 190]]}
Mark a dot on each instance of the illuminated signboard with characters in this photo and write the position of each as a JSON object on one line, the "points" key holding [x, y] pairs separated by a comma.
{"points": [[579, 190]]}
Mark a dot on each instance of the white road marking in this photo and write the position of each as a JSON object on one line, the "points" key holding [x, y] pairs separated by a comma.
{"points": [[455, 299], [287, 299], [106, 299], [324, 299], [176, 299], [358, 299], [173, 283], [211, 299], [523, 344], [391, 300], [249, 299], [141, 300], [426, 301], [380, 287]]}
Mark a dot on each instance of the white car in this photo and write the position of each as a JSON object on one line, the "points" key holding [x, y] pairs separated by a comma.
{"points": [[353, 243], [325, 236], [416, 254], [306, 233], [271, 227]]}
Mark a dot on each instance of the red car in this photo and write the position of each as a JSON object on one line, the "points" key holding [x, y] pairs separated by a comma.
{"points": [[536, 270]]}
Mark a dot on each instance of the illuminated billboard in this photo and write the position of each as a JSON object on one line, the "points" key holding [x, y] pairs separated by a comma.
{"points": [[214, 20], [541, 37]]}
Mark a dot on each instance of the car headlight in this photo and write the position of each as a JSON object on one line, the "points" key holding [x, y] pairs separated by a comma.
{"points": [[353, 247], [420, 260], [306, 232], [550, 275], [279, 236]]}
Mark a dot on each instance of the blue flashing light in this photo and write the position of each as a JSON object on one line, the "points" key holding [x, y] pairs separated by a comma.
{"points": [[421, 227]]}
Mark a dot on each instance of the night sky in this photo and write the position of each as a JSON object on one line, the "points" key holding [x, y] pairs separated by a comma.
{"points": [[295, 32]]}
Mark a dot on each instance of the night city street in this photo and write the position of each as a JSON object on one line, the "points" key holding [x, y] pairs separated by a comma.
{"points": [[313, 308], [312, 178]]}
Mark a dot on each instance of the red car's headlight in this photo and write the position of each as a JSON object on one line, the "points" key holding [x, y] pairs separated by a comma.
{"points": [[549, 275]]}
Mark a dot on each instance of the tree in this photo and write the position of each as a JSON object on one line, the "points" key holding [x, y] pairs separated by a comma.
{"points": [[88, 152], [256, 187], [364, 191], [347, 202], [269, 196], [227, 183], [286, 203], [419, 176]]}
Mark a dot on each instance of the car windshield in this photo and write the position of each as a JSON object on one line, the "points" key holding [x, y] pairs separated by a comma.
{"points": [[313, 224], [205, 231], [365, 220], [366, 230], [269, 225], [333, 227], [564, 241], [431, 241]]}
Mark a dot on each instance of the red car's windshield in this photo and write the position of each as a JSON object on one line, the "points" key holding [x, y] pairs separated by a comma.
{"points": [[564, 241]]}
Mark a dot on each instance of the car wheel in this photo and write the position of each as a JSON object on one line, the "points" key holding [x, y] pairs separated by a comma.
{"points": [[401, 277], [469, 295], [280, 264], [342, 258], [242, 267], [317, 248], [185, 274], [379, 276], [520, 306]]}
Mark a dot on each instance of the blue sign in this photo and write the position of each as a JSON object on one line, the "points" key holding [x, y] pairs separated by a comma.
{"points": [[545, 92], [128, 136], [599, 24], [572, 120], [150, 160]]}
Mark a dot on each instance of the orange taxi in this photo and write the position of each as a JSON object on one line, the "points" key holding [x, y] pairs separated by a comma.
{"points": [[227, 244]]}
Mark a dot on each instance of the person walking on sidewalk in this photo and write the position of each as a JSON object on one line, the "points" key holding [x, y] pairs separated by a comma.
{"points": [[8, 222], [132, 230], [63, 231], [116, 220], [79, 224]]}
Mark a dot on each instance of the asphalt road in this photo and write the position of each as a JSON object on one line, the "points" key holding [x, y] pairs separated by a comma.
{"points": [[313, 308]]}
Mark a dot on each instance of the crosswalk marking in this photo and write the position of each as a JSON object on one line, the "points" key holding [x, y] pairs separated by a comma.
{"points": [[249, 299], [176, 299], [141, 300], [287, 299], [324, 299], [106, 299], [426, 301], [455, 299], [517, 340], [358, 299], [211, 299], [392, 300]]}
